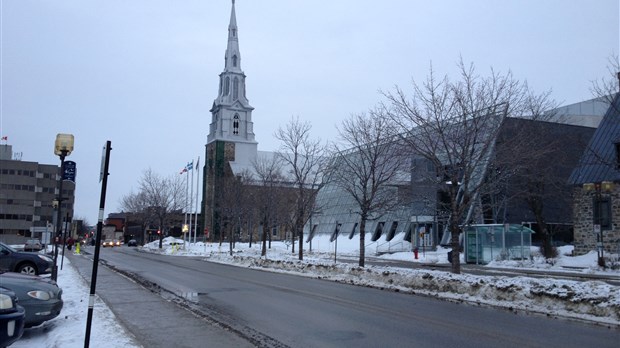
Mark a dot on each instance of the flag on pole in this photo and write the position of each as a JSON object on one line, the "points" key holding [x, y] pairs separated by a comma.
{"points": [[198, 163], [190, 165], [183, 170], [5, 138]]}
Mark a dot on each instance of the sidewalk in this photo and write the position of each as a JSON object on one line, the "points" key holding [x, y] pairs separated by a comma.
{"points": [[154, 321]]}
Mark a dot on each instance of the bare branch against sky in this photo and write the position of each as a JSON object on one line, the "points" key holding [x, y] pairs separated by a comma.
{"points": [[144, 74]]}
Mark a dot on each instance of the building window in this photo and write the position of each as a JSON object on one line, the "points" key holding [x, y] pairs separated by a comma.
{"points": [[378, 231], [235, 60], [236, 88], [236, 124], [335, 233], [392, 231], [602, 212], [227, 85], [353, 231], [617, 155]]}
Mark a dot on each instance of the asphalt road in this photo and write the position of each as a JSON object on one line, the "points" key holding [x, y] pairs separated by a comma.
{"points": [[277, 310]]}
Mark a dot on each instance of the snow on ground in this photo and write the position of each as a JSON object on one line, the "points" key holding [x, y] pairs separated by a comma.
{"points": [[592, 301], [68, 329]]}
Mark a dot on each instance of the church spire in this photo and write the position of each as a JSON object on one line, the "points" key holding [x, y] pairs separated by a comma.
{"points": [[232, 57], [231, 111]]}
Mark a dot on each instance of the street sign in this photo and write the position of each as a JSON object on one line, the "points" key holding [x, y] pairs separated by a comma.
{"points": [[103, 156], [597, 228], [69, 171]]}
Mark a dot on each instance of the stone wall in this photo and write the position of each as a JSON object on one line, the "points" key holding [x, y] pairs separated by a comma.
{"points": [[584, 237]]}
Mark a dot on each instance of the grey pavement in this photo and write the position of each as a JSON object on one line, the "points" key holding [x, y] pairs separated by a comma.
{"points": [[153, 320]]}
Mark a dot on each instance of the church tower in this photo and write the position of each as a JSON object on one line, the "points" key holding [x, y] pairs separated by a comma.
{"points": [[231, 134], [231, 113]]}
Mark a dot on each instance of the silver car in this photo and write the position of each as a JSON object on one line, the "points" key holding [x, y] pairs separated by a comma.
{"points": [[33, 245]]}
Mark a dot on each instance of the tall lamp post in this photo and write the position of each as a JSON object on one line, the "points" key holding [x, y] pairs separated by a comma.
{"points": [[598, 213], [62, 148]]}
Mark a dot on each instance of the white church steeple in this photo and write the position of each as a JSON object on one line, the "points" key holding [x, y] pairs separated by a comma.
{"points": [[231, 113]]}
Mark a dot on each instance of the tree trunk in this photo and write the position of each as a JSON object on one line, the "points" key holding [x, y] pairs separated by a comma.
{"points": [[301, 241], [362, 241], [230, 238], [537, 207], [264, 249], [293, 241], [456, 245]]}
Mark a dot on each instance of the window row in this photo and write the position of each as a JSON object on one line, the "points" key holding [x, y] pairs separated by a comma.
{"points": [[18, 187], [20, 217], [235, 87], [30, 173]]}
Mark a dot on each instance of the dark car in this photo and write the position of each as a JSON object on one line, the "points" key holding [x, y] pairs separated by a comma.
{"points": [[12, 260], [11, 318], [132, 242], [41, 297]]}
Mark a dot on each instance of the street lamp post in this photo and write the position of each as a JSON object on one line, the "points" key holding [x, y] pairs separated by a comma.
{"points": [[597, 212], [62, 148]]}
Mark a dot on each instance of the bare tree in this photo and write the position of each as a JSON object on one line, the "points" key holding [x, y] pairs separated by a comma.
{"points": [[606, 87], [268, 183], [158, 197], [534, 158], [82, 227], [454, 125], [305, 161], [365, 164], [247, 202]]}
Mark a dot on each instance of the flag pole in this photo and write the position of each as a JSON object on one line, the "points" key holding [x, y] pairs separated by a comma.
{"points": [[186, 192], [197, 190], [191, 196]]}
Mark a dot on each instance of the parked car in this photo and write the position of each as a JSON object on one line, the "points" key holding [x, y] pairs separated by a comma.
{"points": [[33, 245], [108, 243], [11, 318], [40, 297], [12, 260], [132, 242]]}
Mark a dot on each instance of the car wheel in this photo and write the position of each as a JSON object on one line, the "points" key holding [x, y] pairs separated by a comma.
{"points": [[27, 268]]}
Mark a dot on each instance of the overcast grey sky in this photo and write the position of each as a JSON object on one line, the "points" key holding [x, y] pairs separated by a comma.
{"points": [[144, 73]]}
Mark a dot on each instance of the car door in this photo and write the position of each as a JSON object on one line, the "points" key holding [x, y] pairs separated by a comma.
{"points": [[5, 258]]}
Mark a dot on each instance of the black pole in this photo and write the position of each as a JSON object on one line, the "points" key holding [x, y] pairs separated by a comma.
{"points": [[64, 241], [58, 216], [93, 278]]}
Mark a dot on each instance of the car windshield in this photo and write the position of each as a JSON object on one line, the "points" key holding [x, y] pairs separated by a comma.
{"points": [[6, 247]]}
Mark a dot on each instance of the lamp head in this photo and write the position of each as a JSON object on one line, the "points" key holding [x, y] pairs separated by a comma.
{"points": [[64, 144], [589, 187], [607, 186]]}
